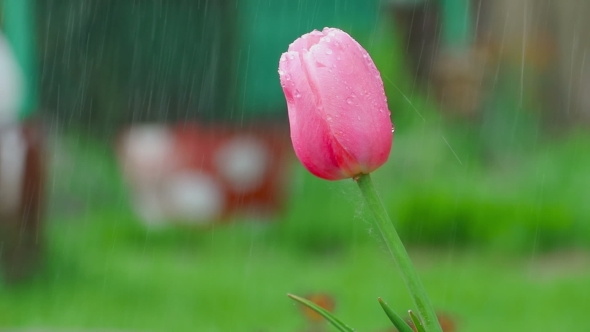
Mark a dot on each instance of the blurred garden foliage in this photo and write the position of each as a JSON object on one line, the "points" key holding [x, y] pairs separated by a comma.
{"points": [[505, 179]]}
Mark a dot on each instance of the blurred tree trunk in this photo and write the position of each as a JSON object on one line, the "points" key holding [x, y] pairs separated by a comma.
{"points": [[573, 32], [21, 203], [551, 38]]}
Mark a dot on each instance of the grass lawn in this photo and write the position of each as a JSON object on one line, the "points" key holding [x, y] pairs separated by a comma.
{"points": [[104, 270], [108, 273]]}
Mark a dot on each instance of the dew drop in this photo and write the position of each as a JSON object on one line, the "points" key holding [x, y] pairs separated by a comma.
{"points": [[287, 77], [281, 72], [283, 59], [349, 101], [297, 94], [291, 56], [328, 51], [358, 117]]}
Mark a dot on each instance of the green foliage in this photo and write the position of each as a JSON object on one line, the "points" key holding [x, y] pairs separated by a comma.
{"points": [[440, 191], [337, 323], [397, 321], [105, 270]]}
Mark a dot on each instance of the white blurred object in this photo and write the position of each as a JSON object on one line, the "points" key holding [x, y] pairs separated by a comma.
{"points": [[11, 83], [146, 152], [243, 163], [193, 196]]}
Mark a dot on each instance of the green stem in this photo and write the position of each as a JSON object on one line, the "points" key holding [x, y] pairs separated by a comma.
{"points": [[400, 255]]}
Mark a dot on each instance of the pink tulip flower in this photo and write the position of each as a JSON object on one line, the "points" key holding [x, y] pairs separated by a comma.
{"points": [[338, 114]]}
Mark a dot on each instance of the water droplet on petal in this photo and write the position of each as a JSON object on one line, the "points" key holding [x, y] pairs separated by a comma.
{"points": [[349, 101], [291, 56], [281, 72], [328, 51], [283, 59], [297, 94], [287, 77], [358, 117]]}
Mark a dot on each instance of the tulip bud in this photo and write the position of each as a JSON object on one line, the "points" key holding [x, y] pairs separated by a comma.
{"points": [[339, 119]]}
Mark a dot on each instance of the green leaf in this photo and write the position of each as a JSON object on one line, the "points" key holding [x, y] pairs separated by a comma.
{"points": [[417, 322], [397, 321], [326, 314]]}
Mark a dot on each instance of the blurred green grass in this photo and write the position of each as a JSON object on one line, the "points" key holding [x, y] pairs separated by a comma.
{"points": [[105, 270]]}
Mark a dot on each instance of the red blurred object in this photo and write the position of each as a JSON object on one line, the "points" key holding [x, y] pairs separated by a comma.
{"points": [[22, 171], [198, 174], [324, 300]]}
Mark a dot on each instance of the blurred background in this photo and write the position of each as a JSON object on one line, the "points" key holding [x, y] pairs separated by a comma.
{"points": [[147, 181]]}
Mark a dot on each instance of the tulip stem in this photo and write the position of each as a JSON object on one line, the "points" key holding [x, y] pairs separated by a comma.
{"points": [[399, 253]]}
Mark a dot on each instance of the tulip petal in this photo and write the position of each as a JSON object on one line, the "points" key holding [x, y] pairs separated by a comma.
{"points": [[353, 98], [310, 134], [306, 41]]}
